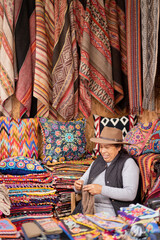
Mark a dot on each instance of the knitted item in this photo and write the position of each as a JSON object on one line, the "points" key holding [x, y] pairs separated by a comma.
{"points": [[87, 203]]}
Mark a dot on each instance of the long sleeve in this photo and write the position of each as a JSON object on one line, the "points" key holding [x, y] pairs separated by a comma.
{"points": [[130, 175]]}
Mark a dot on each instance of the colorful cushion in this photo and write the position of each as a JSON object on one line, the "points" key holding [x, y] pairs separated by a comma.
{"points": [[63, 140], [125, 123], [153, 143], [20, 166], [18, 137], [138, 137]]}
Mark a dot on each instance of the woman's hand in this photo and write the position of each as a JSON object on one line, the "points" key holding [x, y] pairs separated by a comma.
{"points": [[93, 189], [78, 184]]}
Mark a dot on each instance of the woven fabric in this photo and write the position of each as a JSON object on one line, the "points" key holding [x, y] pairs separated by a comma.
{"points": [[137, 137], [153, 143], [116, 19], [24, 19], [95, 63], [7, 85], [134, 55], [63, 140], [125, 123], [18, 137], [20, 166], [149, 29], [65, 61], [42, 88], [146, 164]]}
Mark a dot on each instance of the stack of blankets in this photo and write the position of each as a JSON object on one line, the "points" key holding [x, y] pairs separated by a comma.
{"points": [[65, 175], [32, 196]]}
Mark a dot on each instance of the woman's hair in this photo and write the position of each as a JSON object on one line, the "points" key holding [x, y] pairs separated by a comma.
{"points": [[122, 148]]}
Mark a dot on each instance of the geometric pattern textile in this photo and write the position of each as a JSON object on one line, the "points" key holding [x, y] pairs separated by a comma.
{"points": [[65, 61], [95, 63], [149, 33], [63, 140], [7, 85], [24, 19], [42, 87], [18, 137], [124, 123], [133, 36], [146, 164], [138, 137], [116, 19]]}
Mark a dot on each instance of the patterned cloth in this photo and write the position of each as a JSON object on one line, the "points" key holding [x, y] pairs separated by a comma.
{"points": [[7, 85], [95, 64], [116, 19], [146, 164], [18, 137], [32, 196], [134, 55], [149, 28], [65, 61], [42, 89], [25, 52], [63, 140], [56, 67]]}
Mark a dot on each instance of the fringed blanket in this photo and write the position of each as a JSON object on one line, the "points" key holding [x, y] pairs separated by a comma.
{"points": [[6, 56], [95, 64], [133, 33], [25, 52], [150, 27]]}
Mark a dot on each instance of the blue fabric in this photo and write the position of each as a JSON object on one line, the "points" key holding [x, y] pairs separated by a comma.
{"points": [[20, 166], [63, 140]]}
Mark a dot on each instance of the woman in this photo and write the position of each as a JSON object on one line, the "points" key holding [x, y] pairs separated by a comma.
{"points": [[113, 177]]}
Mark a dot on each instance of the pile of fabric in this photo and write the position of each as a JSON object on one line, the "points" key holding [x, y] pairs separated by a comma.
{"points": [[8, 230], [64, 176], [32, 196]]}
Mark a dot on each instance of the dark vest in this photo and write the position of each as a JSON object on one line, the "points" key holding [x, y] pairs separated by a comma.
{"points": [[113, 175]]}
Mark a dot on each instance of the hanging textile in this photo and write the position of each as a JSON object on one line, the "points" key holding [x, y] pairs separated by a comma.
{"points": [[25, 52], [65, 61], [7, 85], [95, 64], [150, 27], [116, 19], [42, 89], [56, 66], [133, 35]]}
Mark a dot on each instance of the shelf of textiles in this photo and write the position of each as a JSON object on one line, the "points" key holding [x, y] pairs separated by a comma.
{"points": [[65, 175]]}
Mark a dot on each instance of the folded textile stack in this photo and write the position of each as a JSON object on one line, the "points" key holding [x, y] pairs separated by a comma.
{"points": [[32, 196], [8, 230], [65, 175]]}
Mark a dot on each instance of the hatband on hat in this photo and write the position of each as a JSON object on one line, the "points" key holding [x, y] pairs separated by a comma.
{"points": [[110, 135]]}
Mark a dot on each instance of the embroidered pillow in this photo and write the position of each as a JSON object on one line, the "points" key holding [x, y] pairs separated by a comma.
{"points": [[63, 140], [138, 137], [153, 143], [125, 123], [20, 166], [18, 137]]}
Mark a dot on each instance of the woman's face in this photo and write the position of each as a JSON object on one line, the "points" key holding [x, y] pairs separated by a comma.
{"points": [[109, 151]]}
